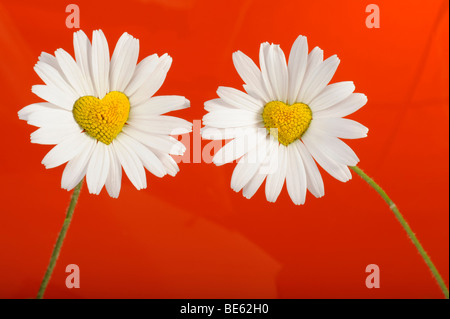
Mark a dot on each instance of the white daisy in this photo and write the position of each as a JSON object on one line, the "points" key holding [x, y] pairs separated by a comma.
{"points": [[102, 116], [300, 116]]}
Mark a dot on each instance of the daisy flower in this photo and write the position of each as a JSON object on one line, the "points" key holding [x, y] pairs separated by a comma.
{"points": [[289, 118], [101, 115]]}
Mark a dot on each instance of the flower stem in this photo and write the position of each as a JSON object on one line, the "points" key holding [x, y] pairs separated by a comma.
{"points": [[406, 227], [59, 241]]}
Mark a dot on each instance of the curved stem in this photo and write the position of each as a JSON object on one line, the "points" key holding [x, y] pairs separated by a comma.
{"points": [[406, 227], [59, 241]]}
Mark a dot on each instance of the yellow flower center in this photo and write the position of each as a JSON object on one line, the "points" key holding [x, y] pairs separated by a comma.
{"points": [[102, 119], [285, 122]]}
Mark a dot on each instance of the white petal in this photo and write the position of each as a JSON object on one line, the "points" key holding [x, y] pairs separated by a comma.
{"points": [[100, 63], [76, 168], [123, 62], [263, 56], [52, 117], [147, 157], [83, 52], [332, 94], [72, 72], [314, 180], [232, 118], [275, 180], [315, 58], [256, 181], [53, 78], [131, 165], [295, 176], [298, 60], [66, 150], [160, 124], [254, 184], [153, 82], [51, 60], [98, 168], [239, 99], [335, 169], [28, 110], [335, 149], [248, 166], [346, 107], [160, 104], [213, 133], [319, 79], [238, 147], [339, 127], [141, 74], [218, 105], [277, 72], [114, 180], [53, 135], [250, 74], [53, 95], [166, 144], [169, 163]]}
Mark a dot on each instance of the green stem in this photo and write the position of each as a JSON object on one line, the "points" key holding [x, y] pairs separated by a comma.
{"points": [[59, 241], [406, 227]]}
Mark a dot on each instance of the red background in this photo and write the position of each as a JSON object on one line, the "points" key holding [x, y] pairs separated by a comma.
{"points": [[192, 236]]}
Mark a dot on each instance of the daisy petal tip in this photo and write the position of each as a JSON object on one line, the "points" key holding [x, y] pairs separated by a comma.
{"points": [[114, 193], [271, 198], [264, 45], [365, 131], [161, 174], [298, 203], [166, 57], [45, 162], [237, 57], [173, 174], [248, 196], [219, 89], [79, 33], [21, 115], [93, 192], [217, 161], [35, 87]]}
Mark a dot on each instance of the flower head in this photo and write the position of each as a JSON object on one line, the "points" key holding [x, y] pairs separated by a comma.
{"points": [[289, 116], [101, 114]]}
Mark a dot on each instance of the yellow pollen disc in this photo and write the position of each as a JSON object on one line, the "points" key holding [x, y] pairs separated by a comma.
{"points": [[102, 119], [285, 122]]}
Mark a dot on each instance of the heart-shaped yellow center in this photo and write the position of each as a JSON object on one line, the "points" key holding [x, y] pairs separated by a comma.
{"points": [[285, 122], [102, 119]]}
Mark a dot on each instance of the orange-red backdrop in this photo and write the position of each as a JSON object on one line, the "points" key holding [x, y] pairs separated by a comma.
{"points": [[192, 236]]}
